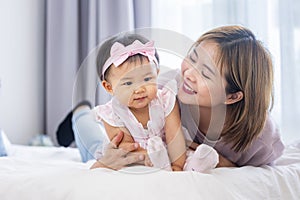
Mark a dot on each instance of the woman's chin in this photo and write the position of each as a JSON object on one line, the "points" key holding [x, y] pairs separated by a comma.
{"points": [[187, 98]]}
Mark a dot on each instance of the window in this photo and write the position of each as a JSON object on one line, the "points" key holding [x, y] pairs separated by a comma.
{"points": [[275, 22]]}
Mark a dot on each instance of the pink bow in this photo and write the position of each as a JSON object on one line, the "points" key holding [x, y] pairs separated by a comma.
{"points": [[119, 53]]}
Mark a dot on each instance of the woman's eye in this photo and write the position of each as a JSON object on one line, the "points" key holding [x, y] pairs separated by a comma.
{"points": [[203, 74], [147, 79], [192, 58], [127, 83]]}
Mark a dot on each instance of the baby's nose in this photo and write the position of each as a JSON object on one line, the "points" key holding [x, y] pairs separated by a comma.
{"points": [[139, 90]]}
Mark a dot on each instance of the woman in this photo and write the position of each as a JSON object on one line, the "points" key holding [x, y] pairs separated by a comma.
{"points": [[225, 93], [233, 93]]}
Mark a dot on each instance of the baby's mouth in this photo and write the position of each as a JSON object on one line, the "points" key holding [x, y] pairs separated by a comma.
{"points": [[140, 98]]}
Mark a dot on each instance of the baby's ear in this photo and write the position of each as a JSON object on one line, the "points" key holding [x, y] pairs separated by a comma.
{"points": [[107, 86], [234, 97]]}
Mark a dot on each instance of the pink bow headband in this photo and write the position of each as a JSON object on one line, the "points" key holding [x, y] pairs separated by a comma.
{"points": [[119, 53]]}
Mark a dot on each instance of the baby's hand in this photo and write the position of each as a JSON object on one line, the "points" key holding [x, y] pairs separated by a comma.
{"points": [[148, 162], [157, 153], [176, 168], [203, 159]]}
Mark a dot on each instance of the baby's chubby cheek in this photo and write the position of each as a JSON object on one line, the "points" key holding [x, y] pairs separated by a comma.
{"points": [[123, 95]]}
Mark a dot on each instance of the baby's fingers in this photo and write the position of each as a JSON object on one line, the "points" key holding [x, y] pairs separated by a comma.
{"points": [[148, 162]]}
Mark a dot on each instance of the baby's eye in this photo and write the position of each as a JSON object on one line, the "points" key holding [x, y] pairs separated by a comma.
{"points": [[127, 83], [147, 79]]}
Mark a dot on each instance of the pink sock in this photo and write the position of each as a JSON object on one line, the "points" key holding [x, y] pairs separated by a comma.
{"points": [[203, 159], [158, 154]]}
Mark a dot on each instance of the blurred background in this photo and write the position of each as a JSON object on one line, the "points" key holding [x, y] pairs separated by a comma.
{"points": [[44, 42]]}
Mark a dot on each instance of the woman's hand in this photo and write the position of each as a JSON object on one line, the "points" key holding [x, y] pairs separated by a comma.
{"points": [[117, 158], [224, 162]]}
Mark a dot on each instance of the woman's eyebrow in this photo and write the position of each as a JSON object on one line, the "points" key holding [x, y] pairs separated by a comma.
{"points": [[195, 52], [210, 69]]}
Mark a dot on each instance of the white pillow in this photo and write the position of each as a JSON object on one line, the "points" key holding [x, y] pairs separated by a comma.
{"points": [[5, 145]]}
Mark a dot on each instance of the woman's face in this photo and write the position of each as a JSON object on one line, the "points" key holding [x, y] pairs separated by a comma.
{"points": [[201, 82]]}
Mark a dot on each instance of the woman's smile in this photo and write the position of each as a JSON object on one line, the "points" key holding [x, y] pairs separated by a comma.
{"points": [[187, 89]]}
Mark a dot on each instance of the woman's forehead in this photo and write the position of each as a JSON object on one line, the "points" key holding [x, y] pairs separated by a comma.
{"points": [[204, 52], [207, 47]]}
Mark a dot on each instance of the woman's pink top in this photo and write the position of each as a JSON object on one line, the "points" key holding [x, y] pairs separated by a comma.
{"points": [[266, 148]]}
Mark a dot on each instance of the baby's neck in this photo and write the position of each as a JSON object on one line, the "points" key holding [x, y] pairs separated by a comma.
{"points": [[141, 114]]}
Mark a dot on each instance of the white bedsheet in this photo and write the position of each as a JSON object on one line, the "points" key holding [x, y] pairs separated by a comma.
{"points": [[57, 173]]}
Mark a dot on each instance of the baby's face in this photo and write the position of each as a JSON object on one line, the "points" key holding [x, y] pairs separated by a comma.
{"points": [[134, 83]]}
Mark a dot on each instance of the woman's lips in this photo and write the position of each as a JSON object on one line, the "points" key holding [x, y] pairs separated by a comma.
{"points": [[187, 89]]}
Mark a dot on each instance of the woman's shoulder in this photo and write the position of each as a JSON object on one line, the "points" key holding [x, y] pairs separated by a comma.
{"points": [[270, 132], [268, 146], [264, 149]]}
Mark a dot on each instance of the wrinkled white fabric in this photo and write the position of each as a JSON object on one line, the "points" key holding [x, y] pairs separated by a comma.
{"points": [[34, 173]]}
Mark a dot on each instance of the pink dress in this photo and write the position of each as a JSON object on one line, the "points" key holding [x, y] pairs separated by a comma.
{"points": [[118, 115]]}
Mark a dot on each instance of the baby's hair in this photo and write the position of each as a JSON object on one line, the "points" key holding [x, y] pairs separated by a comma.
{"points": [[125, 39]]}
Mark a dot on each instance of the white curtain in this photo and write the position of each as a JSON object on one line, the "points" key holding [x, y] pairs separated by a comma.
{"points": [[275, 22], [73, 30]]}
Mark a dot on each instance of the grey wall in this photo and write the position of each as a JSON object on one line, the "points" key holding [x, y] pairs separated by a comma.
{"points": [[21, 68]]}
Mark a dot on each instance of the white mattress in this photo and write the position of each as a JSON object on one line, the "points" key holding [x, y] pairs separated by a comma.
{"points": [[57, 173]]}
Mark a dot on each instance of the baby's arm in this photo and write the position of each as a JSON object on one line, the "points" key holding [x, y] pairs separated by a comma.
{"points": [[112, 131], [175, 139], [127, 140]]}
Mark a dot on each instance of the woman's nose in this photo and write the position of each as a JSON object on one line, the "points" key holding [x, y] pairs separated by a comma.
{"points": [[188, 71]]}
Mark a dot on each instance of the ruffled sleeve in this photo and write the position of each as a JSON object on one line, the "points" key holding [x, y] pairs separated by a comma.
{"points": [[105, 112], [167, 96]]}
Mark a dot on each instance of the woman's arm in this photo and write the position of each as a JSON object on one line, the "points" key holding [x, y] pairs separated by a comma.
{"points": [[116, 158], [175, 139], [89, 137], [127, 141], [224, 162]]}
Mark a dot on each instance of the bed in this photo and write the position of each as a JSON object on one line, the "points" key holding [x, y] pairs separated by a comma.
{"points": [[57, 173]]}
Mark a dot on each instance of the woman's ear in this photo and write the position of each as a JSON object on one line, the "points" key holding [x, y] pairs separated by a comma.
{"points": [[234, 97], [107, 86]]}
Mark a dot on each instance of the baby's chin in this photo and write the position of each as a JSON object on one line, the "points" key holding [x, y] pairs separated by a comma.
{"points": [[138, 105]]}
